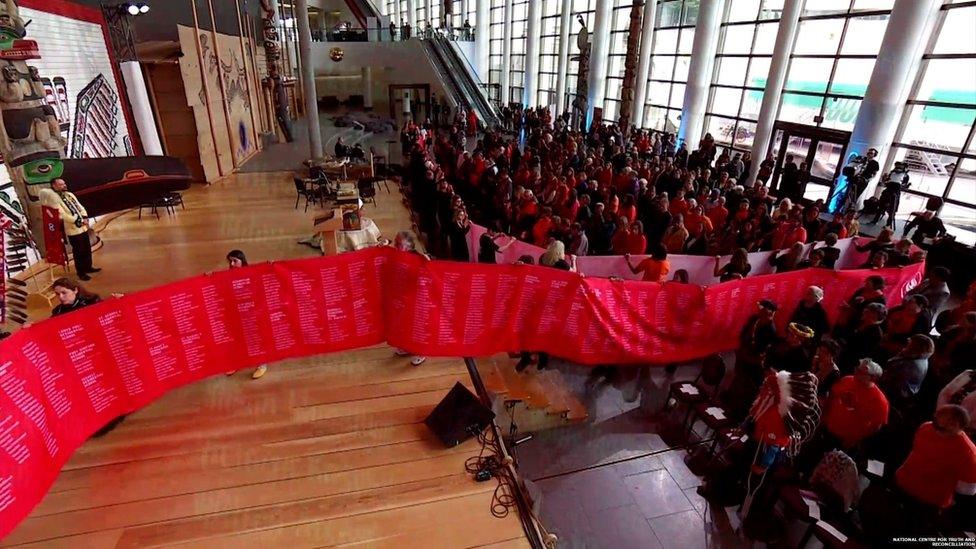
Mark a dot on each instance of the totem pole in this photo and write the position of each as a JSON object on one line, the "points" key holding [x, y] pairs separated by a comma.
{"points": [[582, 86], [30, 134], [630, 66], [272, 52]]}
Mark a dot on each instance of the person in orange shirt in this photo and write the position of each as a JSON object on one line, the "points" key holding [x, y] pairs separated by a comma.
{"points": [[856, 407], [718, 214], [942, 462], [676, 235], [697, 222], [654, 268]]}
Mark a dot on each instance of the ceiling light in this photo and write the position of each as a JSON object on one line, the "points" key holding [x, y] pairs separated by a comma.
{"points": [[144, 8], [132, 9]]}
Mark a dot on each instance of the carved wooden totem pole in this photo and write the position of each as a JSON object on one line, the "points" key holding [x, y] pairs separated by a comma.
{"points": [[30, 135], [582, 84], [272, 53], [630, 66]]}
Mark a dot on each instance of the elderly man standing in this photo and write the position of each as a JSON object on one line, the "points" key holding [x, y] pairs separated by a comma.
{"points": [[75, 220]]}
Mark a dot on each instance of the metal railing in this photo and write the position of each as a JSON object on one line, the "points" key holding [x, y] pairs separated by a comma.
{"points": [[393, 34]]}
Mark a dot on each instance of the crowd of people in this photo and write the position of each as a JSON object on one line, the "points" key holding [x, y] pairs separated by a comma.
{"points": [[890, 382], [602, 193]]}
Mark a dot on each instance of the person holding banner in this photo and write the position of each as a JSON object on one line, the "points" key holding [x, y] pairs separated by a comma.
{"points": [[654, 268], [71, 296], [554, 257], [76, 226], [236, 260], [406, 242]]}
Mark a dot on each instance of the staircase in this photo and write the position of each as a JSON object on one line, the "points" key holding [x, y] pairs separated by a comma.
{"points": [[537, 400], [460, 80]]}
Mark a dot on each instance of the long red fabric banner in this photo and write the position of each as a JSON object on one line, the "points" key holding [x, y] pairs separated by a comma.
{"points": [[64, 378]]}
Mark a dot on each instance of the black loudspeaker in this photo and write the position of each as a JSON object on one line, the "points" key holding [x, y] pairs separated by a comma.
{"points": [[459, 416]]}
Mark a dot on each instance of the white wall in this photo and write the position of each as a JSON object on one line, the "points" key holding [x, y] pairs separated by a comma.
{"points": [[391, 63]]}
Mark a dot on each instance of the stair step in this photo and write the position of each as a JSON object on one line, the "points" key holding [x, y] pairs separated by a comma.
{"points": [[569, 406], [551, 382], [521, 387], [493, 379]]}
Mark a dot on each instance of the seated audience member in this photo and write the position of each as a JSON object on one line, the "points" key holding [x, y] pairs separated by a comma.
{"points": [[904, 373], [962, 392], [791, 353], [935, 288], [856, 407], [810, 312], [864, 340], [942, 462], [737, 268], [654, 268], [825, 367], [788, 260]]}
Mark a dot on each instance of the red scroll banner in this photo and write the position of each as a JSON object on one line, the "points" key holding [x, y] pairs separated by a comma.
{"points": [[54, 236], [63, 378]]}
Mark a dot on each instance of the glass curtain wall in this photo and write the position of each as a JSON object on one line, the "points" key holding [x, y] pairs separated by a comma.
{"points": [[619, 24], [520, 15], [495, 44], [674, 33], [549, 53], [745, 49], [935, 137], [836, 46]]}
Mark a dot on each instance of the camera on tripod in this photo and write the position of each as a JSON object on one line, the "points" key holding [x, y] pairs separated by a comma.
{"points": [[855, 166]]}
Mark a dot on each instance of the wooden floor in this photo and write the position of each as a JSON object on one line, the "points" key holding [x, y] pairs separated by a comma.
{"points": [[322, 451]]}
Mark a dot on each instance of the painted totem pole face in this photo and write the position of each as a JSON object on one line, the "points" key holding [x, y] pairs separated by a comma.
{"points": [[11, 25]]}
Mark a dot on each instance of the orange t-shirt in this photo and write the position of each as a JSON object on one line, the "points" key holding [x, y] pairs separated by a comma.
{"points": [[854, 410], [678, 206], [718, 215], [937, 464], [653, 270]]}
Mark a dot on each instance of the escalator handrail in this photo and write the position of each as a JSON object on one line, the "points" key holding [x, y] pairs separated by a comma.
{"points": [[484, 108]]}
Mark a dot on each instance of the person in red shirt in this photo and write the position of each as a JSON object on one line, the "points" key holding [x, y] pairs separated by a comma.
{"points": [[678, 205], [621, 238], [942, 462], [636, 241], [654, 268], [856, 407], [542, 227], [628, 209]]}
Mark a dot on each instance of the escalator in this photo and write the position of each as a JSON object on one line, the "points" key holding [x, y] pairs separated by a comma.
{"points": [[459, 79]]}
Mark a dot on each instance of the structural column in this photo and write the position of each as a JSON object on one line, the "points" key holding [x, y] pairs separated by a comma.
{"points": [[565, 20], [908, 29], [506, 77], [429, 12], [599, 58], [308, 78], [533, 39], [644, 62], [775, 79], [482, 25], [142, 112], [700, 72], [412, 16]]}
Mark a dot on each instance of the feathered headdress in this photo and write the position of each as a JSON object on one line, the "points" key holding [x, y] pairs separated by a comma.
{"points": [[794, 395]]}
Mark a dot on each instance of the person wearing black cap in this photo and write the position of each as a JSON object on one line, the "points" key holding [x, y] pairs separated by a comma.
{"points": [[755, 340]]}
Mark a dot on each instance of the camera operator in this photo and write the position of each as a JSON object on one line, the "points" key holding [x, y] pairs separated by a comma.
{"points": [[896, 181], [859, 172]]}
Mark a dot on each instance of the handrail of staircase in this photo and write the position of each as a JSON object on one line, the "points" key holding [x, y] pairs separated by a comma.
{"points": [[472, 96], [530, 524]]}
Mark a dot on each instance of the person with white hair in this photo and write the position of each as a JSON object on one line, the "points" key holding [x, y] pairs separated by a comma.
{"points": [[811, 313], [856, 407]]}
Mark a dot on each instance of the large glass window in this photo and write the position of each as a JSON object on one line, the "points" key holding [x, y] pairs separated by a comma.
{"points": [[519, 23], [495, 45], [745, 49], [935, 137], [674, 32], [837, 43], [549, 52]]}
